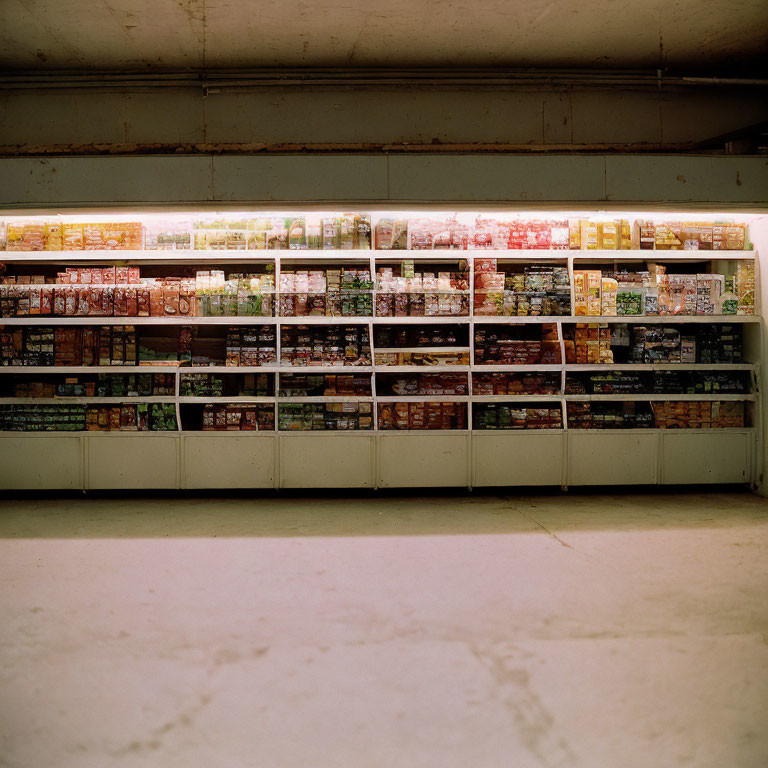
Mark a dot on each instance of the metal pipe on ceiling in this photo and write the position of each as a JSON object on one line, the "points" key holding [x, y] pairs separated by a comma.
{"points": [[493, 79]]}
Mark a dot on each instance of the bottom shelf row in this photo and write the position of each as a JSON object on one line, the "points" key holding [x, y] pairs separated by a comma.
{"points": [[402, 415], [384, 459]]}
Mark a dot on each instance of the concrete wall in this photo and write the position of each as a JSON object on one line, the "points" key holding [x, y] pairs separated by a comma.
{"points": [[710, 181], [83, 120]]}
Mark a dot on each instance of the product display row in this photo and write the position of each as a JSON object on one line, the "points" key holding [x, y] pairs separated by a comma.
{"points": [[475, 385], [349, 416], [655, 292], [663, 415], [505, 345], [129, 417], [501, 289], [520, 291], [349, 231]]}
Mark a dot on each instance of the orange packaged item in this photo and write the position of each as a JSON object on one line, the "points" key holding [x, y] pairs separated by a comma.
{"points": [[92, 237], [72, 237]]}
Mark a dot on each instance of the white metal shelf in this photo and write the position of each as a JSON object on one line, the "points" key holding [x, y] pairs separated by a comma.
{"points": [[422, 368], [527, 398], [256, 399], [367, 432], [124, 320], [59, 369], [665, 430], [535, 367], [224, 255], [516, 319], [666, 319], [426, 350], [287, 400], [423, 320], [639, 397], [324, 320], [661, 367], [83, 400], [659, 255], [44, 320], [423, 398]]}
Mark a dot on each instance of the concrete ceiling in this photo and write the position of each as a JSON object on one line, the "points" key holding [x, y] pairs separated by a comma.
{"points": [[713, 36]]}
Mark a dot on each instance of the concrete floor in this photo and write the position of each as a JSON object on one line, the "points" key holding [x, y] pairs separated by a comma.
{"points": [[471, 631]]}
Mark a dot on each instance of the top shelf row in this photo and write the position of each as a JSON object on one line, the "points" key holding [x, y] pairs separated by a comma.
{"points": [[225, 256], [357, 235]]}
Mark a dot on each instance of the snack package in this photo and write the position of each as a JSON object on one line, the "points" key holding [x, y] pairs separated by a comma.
{"points": [[590, 238], [608, 288], [580, 292], [608, 234], [594, 278], [745, 284]]}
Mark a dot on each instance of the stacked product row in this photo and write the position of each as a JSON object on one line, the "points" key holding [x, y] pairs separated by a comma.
{"points": [[353, 231], [346, 416], [501, 288], [338, 345], [655, 292]]}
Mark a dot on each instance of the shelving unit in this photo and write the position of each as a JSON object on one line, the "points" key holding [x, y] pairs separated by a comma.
{"points": [[379, 457]]}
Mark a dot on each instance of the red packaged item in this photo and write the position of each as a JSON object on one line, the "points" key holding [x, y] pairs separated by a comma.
{"points": [[132, 302], [83, 300], [70, 301], [96, 300], [59, 301], [142, 302], [46, 301], [34, 301], [107, 301], [120, 302]]}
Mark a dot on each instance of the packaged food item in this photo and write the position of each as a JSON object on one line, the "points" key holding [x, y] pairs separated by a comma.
{"points": [[72, 236], [745, 282], [608, 235], [608, 290], [590, 238]]}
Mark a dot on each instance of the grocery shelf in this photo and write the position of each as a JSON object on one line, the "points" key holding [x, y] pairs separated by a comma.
{"points": [[659, 319], [447, 254], [82, 400], [225, 399], [423, 399], [324, 320], [668, 397], [228, 369], [659, 431], [45, 320], [138, 256], [526, 398], [122, 320], [423, 368], [480, 368], [661, 367], [57, 369], [335, 432], [516, 319], [281, 400], [295, 458], [423, 320], [425, 350], [324, 369], [660, 255]]}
